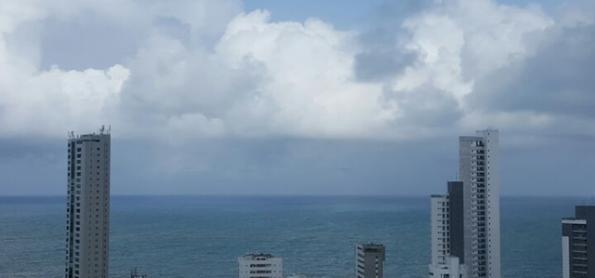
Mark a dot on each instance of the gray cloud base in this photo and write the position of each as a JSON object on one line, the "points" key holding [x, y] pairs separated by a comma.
{"points": [[224, 101]]}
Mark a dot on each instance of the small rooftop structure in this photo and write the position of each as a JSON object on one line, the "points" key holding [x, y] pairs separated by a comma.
{"points": [[257, 256]]}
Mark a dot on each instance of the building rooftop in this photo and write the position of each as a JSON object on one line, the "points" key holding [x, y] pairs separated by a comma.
{"points": [[371, 245], [258, 256], [102, 131], [572, 220]]}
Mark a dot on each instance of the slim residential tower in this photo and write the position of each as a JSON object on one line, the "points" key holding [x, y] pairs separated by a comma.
{"points": [[466, 222], [478, 170], [88, 205]]}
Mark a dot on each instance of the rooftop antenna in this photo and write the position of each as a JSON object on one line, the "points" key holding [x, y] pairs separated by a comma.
{"points": [[102, 129]]}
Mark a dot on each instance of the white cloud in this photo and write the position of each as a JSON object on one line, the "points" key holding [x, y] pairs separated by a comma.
{"points": [[307, 77], [204, 68], [50, 102], [262, 78], [460, 41], [34, 101]]}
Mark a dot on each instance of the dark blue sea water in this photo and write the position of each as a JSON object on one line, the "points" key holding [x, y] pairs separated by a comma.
{"points": [[203, 236]]}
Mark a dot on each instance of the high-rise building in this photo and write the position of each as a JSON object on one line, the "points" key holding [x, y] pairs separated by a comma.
{"points": [[478, 170], [88, 205], [447, 233], [369, 260], [260, 266], [578, 244], [465, 223]]}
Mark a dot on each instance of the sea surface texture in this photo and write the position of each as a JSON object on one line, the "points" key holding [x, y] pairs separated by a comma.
{"points": [[203, 236]]}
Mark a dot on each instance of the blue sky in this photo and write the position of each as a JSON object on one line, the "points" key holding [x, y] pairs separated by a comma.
{"points": [[349, 14], [250, 97], [343, 14]]}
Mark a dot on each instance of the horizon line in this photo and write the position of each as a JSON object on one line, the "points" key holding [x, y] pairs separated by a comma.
{"points": [[297, 195]]}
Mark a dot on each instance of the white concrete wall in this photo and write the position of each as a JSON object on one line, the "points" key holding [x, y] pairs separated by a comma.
{"points": [[439, 229], [452, 269], [91, 197], [565, 257], [249, 266], [468, 157]]}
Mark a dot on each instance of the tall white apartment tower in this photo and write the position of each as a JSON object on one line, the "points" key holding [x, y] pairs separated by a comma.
{"points": [[88, 205], [260, 266], [478, 170]]}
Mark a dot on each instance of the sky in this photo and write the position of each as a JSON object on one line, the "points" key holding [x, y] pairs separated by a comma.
{"points": [[298, 97]]}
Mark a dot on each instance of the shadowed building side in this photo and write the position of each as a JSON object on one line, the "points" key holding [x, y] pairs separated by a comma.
{"points": [[369, 260]]}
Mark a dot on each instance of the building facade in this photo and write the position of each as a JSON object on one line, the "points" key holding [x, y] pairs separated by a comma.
{"points": [[447, 233], [478, 170], [465, 223], [369, 260], [450, 269], [88, 205], [440, 229], [260, 266], [578, 243]]}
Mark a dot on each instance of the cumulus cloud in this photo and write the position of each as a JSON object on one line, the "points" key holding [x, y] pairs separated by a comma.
{"points": [[460, 41], [191, 69], [308, 84], [549, 90], [261, 78], [45, 97], [481, 63], [48, 101]]}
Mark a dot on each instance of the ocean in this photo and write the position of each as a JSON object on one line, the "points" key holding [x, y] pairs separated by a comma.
{"points": [[203, 236]]}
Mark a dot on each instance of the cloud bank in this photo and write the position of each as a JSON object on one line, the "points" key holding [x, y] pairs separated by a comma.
{"points": [[196, 69]]}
